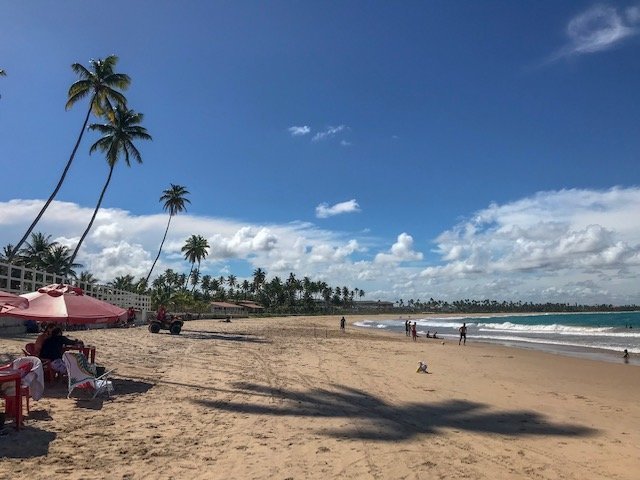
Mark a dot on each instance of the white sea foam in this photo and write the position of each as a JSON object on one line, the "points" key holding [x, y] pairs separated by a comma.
{"points": [[369, 324], [431, 323], [553, 328]]}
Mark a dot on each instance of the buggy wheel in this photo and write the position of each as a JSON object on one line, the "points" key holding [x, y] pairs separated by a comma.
{"points": [[154, 328], [175, 329]]}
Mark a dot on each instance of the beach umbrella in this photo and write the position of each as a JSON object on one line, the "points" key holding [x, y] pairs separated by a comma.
{"points": [[67, 304], [10, 300]]}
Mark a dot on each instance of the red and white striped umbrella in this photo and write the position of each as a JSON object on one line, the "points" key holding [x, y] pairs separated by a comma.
{"points": [[67, 304]]}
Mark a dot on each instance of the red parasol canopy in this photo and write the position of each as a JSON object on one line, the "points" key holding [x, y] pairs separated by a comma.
{"points": [[67, 304], [10, 300]]}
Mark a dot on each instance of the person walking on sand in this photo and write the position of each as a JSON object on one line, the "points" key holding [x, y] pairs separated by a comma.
{"points": [[626, 356], [342, 324], [407, 327], [463, 334], [414, 333]]}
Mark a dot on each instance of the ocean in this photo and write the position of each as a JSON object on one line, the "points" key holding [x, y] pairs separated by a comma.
{"points": [[602, 336]]}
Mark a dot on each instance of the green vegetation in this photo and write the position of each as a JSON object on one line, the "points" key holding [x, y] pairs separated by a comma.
{"points": [[117, 140], [175, 200], [103, 85]]}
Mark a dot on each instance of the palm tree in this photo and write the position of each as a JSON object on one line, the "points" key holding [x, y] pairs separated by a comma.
{"points": [[232, 280], [123, 282], [58, 260], [117, 140], [259, 277], [7, 250], [195, 278], [86, 280], [35, 250], [101, 83], [174, 199], [195, 249]]}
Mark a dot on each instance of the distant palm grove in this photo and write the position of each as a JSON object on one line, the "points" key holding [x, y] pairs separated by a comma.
{"points": [[193, 292]]}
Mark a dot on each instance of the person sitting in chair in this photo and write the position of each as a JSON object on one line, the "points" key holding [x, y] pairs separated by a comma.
{"points": [[53, 348], [47, 328]]}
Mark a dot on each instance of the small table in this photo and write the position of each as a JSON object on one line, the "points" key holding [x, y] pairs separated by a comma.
{"points": [[88, 351], [10, 375]]}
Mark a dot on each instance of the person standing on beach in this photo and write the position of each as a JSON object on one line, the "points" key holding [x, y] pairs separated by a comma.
{"points": [[407, 327], [342, 323], [414, 333], [463, 334]]}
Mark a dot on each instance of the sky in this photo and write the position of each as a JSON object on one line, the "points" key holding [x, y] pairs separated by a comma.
{"points": [[413, 150]]}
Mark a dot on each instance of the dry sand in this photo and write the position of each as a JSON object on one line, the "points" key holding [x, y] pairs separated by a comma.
{"points": [[295, 399]]}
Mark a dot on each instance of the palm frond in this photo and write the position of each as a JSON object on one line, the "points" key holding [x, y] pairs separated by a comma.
{"points": [[118, 80], [81, 70]]}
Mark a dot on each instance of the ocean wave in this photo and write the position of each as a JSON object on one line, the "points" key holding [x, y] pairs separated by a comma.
{"points": [[553, 328], [369, 324]]}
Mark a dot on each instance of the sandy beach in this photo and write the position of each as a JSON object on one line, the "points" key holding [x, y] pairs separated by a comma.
{"points": [[294, 398]]}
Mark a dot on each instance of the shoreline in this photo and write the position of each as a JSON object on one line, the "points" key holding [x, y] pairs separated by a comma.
{"points": [[296, 398], [576, 351]]}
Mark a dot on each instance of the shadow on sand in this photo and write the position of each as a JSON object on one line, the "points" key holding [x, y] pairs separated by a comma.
{"points": [[29, 442], [381, 421], [234, 337]]}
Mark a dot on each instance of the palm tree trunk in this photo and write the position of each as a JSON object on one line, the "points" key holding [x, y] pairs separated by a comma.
{"points": [[186, 280], [160, 250], [194, 285], [55, 191], [95, 212]]}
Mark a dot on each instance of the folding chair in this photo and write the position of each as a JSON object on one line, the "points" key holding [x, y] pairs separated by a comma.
{"points": [[82, 374]]}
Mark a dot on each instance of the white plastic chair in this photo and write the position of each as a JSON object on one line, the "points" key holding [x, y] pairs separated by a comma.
{"points": [[82, 374]]}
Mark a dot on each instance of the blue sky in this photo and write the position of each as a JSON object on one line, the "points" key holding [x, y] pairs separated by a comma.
{"points": [[410, 149]]}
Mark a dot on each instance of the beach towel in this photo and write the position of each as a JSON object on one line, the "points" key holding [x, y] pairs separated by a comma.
{"points": [[82, 374], [32, 375]]}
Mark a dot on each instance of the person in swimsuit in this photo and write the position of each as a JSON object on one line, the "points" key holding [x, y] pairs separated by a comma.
{"points": [[463, 334]]}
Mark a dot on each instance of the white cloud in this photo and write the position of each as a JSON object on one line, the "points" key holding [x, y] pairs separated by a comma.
{"points": [[324, 210], [329, 132], [296, 131], [344, 143], [401, 251], [567, 246], [599, 28], [550, 239]]}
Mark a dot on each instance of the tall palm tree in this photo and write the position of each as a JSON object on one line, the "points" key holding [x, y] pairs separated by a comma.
{"points": [[195, 249], [117, 141], [102, 84], [175, 200]]}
